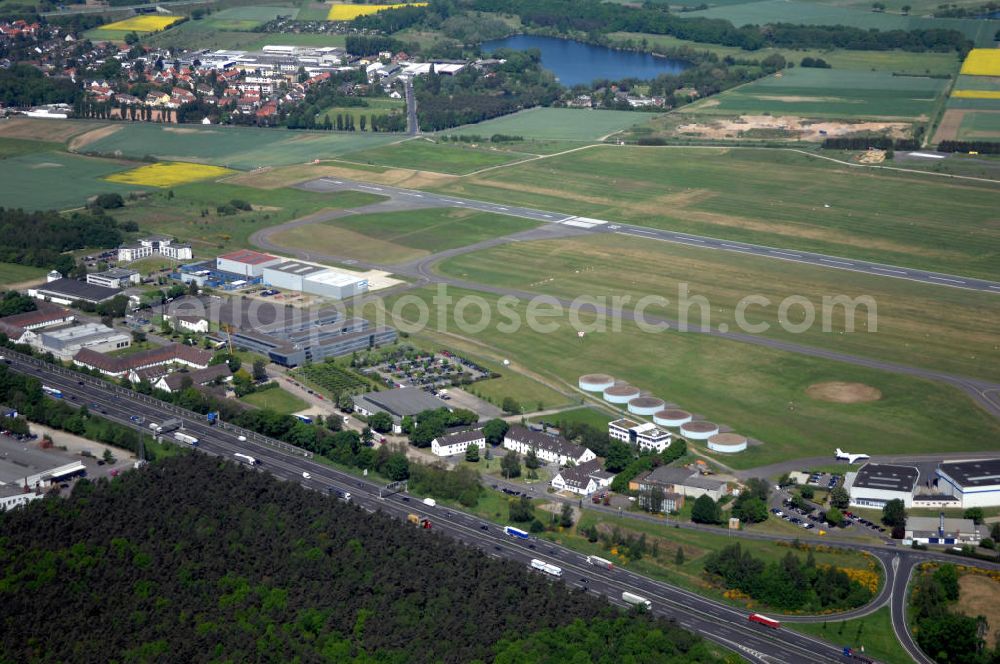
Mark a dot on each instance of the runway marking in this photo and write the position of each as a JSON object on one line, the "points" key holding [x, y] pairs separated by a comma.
{"points": [[502, 208], [995, 287], [954, 281], [785, 253], [732, 246], [885, 269], [827, 260], [687, 239]]}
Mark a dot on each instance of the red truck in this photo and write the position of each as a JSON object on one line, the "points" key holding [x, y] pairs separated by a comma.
{"points": [[764, 620]]}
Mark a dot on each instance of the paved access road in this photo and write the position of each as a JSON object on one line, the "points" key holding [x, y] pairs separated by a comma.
{"points": [[704, 242], [715, 621]]}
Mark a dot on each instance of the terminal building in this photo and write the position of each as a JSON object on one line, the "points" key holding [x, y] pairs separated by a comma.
{"points": [[875, 484], [972, 483]]}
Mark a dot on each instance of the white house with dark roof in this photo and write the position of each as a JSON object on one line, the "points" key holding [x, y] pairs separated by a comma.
{"points": [[645, 435], [457, 443], [583, 479], [548, 447]]}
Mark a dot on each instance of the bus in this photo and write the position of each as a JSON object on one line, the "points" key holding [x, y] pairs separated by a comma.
{"points": [[52, 392], [764, 620], [245, 458], [600, 562], [543, 566], [515, 532], [636, 600]]}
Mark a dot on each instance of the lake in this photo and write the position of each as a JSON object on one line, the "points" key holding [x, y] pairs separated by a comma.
{"points": [[576, 63]]}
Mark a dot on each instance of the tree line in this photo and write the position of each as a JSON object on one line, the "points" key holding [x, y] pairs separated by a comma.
{"points": [[191, 555], [866, 142], [949, 637], [40, 238], [982, 147], [22, 86]]}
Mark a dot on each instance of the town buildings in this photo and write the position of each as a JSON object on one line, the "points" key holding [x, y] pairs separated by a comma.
{"points": [[549, 448], [458, 442], [644, 435]]}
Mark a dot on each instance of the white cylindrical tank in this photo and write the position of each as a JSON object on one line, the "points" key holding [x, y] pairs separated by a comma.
{"points": [[727, 443], [645, 405], [699, 430], [620, 393], [596, 382], [671, 417]]}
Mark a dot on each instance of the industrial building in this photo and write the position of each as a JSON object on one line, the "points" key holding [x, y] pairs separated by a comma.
{"points": [[118, 366], [207, 275], [583, 479], [63, 291], [66, 342], [973, 483], [46, 315], [116, 277], [25, 465], [314, 280], [548, 447], [684, 481], [13, 496], [160, 245], [245, 262], [398, 403], [874, 484], [942, 530], [458, 442], [642, 434]]}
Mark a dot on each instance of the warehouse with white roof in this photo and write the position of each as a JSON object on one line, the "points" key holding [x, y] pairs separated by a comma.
{"points": [[974, 483]]}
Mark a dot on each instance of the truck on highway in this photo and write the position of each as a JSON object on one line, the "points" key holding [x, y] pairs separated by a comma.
{"points": [[185, 438], [548, 568], [212, 417], [52, 392], [515, 532], [636, 600], [430, 502], [600, 562], [166, 427], [417, 521], [764, 620], [245, 458]]}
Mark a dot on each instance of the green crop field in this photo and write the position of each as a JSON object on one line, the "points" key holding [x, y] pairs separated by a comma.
{"points": [[13, 273], [179, 212], [591, 416], [234, 147], [276, 399], [245, 18], [911, 325], [426, 155], [772, 197], [873, 632], [980, 125], [314, 11], [395, 237], [16, 147], [57, 180], [809, 13], [376, 106], [568, 124], [904, 62], [831, 93], [758, 391], [332, 379], [966, 82]]}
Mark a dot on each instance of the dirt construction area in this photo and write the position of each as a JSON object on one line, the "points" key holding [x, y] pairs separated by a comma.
{"points": [[839, 392], [787, 126], [980, 596]]}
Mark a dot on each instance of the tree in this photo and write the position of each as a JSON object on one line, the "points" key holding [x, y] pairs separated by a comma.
{"points": [[510, 405], [905, 9], [679, 556], [618, 456], [807, 492], [260, 370], [974, 513], [706, 510], [381, 422], [995, 532], [750, 510], [834, 516], [109, 457], [839, 498], [511, 465], [397, 467], [472, 453], [894, 513], [520, 510], [367, 437], [495, 430], [531, 459], [566, 516], [345, 403], [947, 576]]}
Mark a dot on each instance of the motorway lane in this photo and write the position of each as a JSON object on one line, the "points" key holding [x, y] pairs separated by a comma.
{"points": [[687, 239], [715, 621]]}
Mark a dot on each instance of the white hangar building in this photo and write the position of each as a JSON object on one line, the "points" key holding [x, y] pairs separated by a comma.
{"points": [[974, 483]]}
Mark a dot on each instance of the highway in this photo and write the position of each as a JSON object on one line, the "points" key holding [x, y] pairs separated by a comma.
{"points": [[425, 198], [715, 621]]}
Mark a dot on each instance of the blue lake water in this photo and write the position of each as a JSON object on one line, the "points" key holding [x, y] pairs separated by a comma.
{"points": [[575, 62]]}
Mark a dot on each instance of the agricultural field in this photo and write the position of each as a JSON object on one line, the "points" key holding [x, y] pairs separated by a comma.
{"points": [[169, 174], [982, 62], [771, 197], [873, 632], [332, 379], [243, 148], [376, 106], [973, 110], [276, 399], [912, 327], [396, 237], [244, 18], [14, 273], [349, 12], [45, 131], [814, 13], [566, 124], [190, 212], [57, 180], [899, 62], [831, 93], [758, 391], [144, 24], [426, 155]]}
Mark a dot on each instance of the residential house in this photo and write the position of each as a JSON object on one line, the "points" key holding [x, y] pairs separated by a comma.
{"points": [[549, 448], [175, 381], [583, 479], [458, 442], [683, 481]]}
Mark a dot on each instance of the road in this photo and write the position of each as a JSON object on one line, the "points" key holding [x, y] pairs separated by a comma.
{"points": [[687, 239], [412, 126], [715, 621]]}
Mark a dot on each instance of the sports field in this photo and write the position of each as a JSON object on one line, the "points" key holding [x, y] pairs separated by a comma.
{"points": [[395, 237], [772, 197], [427, 155], [758, 391], [981, 32], [911, 326], [831, 93], [569, 124], [57, 180], [242, 148], [169, 174], [276, 399]]}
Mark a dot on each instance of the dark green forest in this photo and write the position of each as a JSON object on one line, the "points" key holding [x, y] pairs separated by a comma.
{"points": [[193, 559]]}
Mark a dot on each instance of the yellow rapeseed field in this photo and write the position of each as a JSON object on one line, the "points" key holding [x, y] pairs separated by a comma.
{"points": [[168, 174], [145, 23], [976, 94], [982, 62], [351, 12]]}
